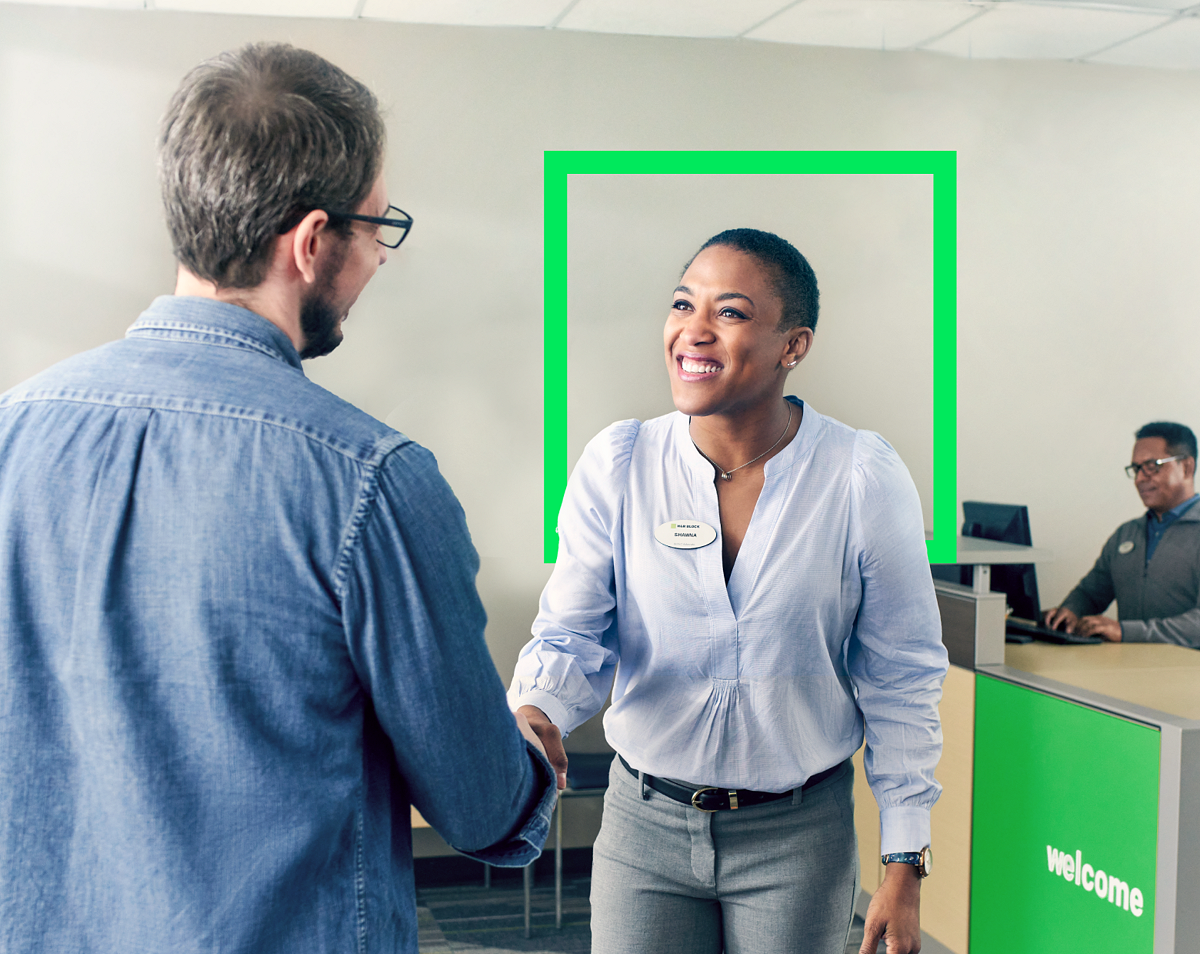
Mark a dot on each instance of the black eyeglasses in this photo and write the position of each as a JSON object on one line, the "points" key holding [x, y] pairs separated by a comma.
{"points": [[1150, 467], [392, 229]]}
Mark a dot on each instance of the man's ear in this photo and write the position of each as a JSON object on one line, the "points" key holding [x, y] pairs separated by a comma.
{"points": [[1189, 467], [306, 239]]}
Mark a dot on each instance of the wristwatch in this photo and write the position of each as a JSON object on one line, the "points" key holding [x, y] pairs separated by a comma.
{"points": [[921, 860]]}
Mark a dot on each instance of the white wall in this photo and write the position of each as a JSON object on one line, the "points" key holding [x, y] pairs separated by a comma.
{"points": [[869, 238], [1077, 247]]}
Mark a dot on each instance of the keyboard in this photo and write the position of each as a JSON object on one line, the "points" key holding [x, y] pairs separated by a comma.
{"points": [[1016, 626]]}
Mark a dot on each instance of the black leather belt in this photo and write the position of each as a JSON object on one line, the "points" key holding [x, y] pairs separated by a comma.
{"points": [[720, 799]]}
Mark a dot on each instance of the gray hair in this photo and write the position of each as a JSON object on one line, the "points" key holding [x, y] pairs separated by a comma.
{"points": [[253, 140]]}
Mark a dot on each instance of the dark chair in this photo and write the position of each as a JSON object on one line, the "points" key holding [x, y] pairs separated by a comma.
{"points": [[587, 777]]}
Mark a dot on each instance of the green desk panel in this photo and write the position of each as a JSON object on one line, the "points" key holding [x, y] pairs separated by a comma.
{"points": [[1064, 797]]}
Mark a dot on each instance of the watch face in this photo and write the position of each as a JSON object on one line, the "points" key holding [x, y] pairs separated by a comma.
{"points": [[926, 861]]}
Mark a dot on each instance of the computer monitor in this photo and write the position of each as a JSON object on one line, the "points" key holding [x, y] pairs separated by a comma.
{"points": [[1006, 523]]}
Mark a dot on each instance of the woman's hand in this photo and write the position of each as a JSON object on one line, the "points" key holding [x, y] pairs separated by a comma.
{"points": [[895, 912], [550, 740]]}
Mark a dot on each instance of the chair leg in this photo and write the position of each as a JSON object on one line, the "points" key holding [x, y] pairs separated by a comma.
{"points": [[528, 898], [558, 846]]}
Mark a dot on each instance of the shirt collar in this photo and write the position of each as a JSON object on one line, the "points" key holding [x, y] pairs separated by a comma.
{"points": [[207, 321], [1175, 512]]}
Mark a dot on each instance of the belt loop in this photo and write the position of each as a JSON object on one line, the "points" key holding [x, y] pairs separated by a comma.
{"points": [[797, 795], [642, 782]]}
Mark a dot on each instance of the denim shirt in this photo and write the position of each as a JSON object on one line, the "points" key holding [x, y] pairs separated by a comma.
{"points": [[239, 633]]}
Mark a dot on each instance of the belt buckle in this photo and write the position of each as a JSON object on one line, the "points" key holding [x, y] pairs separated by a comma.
{"points": [[700, 791]]}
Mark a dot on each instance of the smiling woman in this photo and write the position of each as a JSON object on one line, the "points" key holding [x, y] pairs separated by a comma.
{"points": [[749, 671], [729, 350]]}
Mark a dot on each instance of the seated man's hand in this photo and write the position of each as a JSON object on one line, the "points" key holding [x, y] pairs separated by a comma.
{"points": [[1060, 618], [546, 737], [1103, 626]]}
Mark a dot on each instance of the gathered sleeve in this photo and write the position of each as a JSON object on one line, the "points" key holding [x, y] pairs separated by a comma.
{"points": [[567, 669], [895, 655]]}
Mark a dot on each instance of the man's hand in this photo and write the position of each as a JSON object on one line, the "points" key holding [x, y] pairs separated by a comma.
{"points": [[1104, 626], [895, 913], [545, 735], [1060, 614]]}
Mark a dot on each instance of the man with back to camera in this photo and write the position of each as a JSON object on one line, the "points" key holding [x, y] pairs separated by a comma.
{"points": [[239, 629], [1151, 565]]}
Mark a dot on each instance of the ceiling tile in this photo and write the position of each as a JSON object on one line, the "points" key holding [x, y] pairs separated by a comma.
{"points": [[706, 18], [467, 12], [1170, 6], [109, 4], [1036, 31], [876, 24], [1175, 46], [270, 8]]}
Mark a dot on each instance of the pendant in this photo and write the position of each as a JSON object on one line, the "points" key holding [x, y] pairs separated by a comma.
{"points": [[725, 476]]}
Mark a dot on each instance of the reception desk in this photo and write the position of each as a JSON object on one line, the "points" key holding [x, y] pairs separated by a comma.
{"points": [[1086, 753], [1086, 801], [1059, 764]]}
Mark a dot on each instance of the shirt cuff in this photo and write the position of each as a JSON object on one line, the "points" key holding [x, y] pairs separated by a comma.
{"points": [[1134, 631], [903, 828], [526, 844], [555, 711]]}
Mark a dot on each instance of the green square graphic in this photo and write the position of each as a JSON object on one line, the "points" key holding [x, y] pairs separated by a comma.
{"points": [[1056, 782], [941, 165]]}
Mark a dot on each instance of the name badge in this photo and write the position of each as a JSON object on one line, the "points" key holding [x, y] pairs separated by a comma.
{"points": [[1126, 547], [685, 534]]}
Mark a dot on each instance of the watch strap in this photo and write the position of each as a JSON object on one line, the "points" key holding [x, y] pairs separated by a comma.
{"points": [[918, 859]]}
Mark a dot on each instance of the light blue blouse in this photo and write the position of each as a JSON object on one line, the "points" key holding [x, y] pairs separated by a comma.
{"points": [[828, 619]]}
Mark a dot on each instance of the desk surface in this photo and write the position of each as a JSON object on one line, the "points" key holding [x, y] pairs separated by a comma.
{"points": [[975, 550], [1166, 678]]}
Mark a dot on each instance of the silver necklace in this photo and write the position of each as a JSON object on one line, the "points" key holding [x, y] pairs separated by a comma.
{"points": [[728, 474]]}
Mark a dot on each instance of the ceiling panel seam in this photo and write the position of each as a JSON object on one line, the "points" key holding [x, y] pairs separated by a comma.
{"points": [[1127, 39], [553, 24], [784, 9], [958, 26]]}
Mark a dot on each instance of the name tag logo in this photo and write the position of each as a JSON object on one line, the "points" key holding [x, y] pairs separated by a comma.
{"points": [[1126, 547], [685, 534]]}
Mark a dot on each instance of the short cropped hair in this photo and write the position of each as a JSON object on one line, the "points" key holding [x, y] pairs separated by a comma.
{"points": [[252, 141], [1179, 437], [794, 280]]}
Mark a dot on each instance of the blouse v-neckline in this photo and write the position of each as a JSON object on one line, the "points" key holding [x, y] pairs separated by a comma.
{"points": [[740, 585]]}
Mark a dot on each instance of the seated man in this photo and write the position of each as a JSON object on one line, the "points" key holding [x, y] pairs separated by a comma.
{"points": [[1151, 565]]}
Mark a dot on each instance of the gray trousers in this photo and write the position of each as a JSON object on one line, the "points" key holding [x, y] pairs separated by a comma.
{"points": [[669, 879]]}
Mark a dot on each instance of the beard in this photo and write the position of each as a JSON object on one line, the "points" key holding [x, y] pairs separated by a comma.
{"points": [[320, 324], [320, 320]]}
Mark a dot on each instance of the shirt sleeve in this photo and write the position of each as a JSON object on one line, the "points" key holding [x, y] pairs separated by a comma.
{"points": [[414, 625], [1094, 593], [1181, 630], [895, 655], [567, 669]]}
